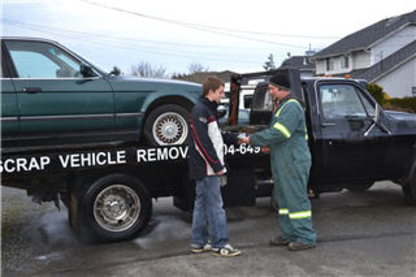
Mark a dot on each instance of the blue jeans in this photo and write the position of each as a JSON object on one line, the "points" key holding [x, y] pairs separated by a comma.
{"points": [[209, 217]]}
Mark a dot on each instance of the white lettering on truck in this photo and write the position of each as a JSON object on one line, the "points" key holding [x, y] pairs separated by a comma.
{"points": [[24, 164], [92, 159], [161, 154]]}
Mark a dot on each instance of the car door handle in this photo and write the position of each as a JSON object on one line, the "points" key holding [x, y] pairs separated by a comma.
{"points": [[328, 124], [31, 90]]}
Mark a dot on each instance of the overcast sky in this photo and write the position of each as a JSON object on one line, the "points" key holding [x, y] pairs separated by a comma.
{"points": [[221, 35]]}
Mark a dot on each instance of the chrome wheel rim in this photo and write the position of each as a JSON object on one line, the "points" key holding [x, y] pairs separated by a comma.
{"points": [[170, 128], [117, 208]]}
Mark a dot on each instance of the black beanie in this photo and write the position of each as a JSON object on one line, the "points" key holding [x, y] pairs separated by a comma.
{"points": [[281, 79]]}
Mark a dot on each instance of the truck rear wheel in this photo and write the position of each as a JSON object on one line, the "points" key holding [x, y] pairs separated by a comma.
{"points": [[409, 185], [114, 208], [409, 190]]}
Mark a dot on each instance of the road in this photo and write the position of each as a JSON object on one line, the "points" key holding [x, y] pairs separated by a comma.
{"points": [[359, 234]]}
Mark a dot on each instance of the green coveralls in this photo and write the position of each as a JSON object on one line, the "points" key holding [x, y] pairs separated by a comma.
{"points": [[290, 163]]}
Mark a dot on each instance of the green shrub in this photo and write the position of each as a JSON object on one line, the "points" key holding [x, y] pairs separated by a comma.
{"points": [[377, 92], [406, 103]]}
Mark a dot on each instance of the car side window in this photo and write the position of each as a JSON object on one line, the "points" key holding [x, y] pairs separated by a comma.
{"points": [[42, 60], [339, 101]]}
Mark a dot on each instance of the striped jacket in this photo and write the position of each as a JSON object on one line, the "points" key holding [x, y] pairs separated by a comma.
{"points": [[206, 146]]}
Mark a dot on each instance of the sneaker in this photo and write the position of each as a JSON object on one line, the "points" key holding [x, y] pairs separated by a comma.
{"points": [[226, 251], [279, 241], [199, 249], [297, 246]]}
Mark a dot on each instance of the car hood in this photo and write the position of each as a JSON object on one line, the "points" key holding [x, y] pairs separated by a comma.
{"points": [[402, 122], [131, 83]]}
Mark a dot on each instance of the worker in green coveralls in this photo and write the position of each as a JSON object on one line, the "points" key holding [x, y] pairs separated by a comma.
{"points": [[290, 164]]}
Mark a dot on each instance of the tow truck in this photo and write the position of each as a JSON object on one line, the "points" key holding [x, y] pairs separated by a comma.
{"points": [[109, 190]]}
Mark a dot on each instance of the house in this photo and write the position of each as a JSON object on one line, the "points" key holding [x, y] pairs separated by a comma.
{"points": [[383, 53]]}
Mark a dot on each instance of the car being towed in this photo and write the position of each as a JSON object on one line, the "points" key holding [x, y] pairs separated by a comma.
{"points": [[52, 97]]}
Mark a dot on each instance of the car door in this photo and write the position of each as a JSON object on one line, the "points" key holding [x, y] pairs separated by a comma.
{"points": [[349, 152], [57, 104], [9, 108]]}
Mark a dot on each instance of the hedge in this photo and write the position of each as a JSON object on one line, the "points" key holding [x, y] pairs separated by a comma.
{"points": [[406, 104]]}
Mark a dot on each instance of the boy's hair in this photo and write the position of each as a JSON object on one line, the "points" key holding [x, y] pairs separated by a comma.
{"points": [[211, 83]]}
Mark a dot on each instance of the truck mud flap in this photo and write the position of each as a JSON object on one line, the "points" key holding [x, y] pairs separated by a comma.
{"points": [[240, 188]]}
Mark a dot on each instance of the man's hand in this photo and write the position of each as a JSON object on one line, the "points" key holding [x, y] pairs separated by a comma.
{"points": [[220, 173], [265, 150], [246, 140]]}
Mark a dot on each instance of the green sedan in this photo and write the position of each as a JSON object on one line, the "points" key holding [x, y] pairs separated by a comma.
{"points": [[52, 97]]}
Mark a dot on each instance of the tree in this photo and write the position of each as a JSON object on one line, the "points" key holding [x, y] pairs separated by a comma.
{"points": [[116, 71], [197, 67], [269, 64], [145, 69]]}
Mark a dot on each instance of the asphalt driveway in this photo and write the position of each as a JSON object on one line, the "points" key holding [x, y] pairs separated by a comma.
{"points": [[359, 234]]}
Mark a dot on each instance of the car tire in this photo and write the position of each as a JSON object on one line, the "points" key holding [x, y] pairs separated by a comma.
{"points": [[167, 125], [116, 207]]}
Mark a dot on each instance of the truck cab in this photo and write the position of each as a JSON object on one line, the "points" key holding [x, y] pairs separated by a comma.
{"points": [[353, 141]]}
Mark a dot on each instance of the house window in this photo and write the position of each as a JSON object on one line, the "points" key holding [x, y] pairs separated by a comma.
{"points": [[345, 62], [329, 64], [414, 91]]}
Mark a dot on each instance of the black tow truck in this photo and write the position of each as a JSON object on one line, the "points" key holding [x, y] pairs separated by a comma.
{"points": [[109, 190], [353, 141]]}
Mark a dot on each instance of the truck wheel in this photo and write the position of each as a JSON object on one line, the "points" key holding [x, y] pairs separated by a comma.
{"points": [[409, 189], [167, 125], [114, 208], [360, 187]]}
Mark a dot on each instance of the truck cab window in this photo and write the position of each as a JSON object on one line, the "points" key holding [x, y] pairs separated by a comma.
{"points": [[262, 100], [340, 101], [368, 106], [42, 60]]}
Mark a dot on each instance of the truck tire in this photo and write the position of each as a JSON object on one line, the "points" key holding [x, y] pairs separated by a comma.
{"points": [[409, 187], [167, 125], [115, 207]]}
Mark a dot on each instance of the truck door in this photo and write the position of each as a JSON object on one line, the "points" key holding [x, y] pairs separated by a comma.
{"points": [[9, 110], [56, 104], [348, 153]]}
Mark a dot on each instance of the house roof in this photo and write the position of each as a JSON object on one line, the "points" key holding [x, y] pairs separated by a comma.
{"points": [[385, 65], [299, 62], [367, 36], [389, 63]]}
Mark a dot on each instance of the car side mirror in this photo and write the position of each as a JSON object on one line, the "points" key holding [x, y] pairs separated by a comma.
{"points": [[86, 71]]}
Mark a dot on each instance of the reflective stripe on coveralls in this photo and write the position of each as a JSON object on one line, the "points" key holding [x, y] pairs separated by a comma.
{"points": [[283, 211], [282, 129], [288, 101], [299, 215]]}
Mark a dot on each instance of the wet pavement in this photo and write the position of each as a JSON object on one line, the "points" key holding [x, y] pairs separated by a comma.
{"points": [[359, 234]]}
